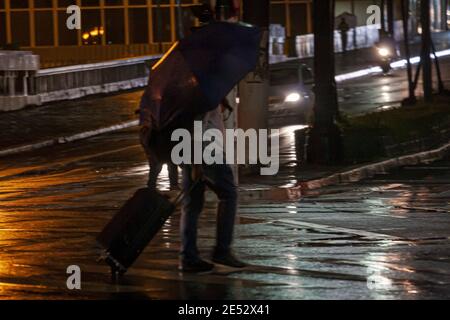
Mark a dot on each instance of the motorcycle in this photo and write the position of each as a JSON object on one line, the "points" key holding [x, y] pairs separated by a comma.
{"points": [[386, 56], [387, 51]]}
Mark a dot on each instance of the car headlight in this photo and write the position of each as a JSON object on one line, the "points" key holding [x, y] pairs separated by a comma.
{"points": [[292, 97], [384, 52]]}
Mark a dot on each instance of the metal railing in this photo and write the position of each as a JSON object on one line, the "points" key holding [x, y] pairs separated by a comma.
{"points": [[20, 86], [17, 70], [93, 74]]}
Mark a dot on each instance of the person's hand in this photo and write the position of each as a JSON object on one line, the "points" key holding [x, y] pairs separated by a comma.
{"points": [[197, 172]]}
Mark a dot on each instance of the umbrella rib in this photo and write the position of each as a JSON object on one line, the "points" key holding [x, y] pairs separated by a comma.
{"points": [[165, 56]]}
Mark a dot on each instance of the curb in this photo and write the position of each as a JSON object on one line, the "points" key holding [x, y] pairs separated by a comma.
{"points": [[368, 171], [354, 175], [67, 139]]}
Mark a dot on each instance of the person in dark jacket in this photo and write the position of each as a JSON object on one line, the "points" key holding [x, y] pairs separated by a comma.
{"points": [[156, 158], [344, 28]]}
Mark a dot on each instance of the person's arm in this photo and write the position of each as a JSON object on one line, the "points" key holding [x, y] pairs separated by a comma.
{"points": [[145, 135], [226, 104]]}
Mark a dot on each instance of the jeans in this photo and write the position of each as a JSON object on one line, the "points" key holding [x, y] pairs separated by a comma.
{"points": [[220, 180]]}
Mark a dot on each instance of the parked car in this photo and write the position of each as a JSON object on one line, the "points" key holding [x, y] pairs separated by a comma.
{"points": [[291, 93]]}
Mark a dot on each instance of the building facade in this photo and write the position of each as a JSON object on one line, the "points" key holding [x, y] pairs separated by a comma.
{"points": [[121, 28], [42, 23]]}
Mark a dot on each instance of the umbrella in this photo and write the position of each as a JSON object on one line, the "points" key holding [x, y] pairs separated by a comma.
{"points": [[196, 74]]}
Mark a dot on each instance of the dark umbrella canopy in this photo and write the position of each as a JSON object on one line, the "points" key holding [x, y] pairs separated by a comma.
{"points": [[199, 71], [220, 55]]}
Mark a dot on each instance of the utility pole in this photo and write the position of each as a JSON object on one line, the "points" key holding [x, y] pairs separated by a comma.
{"points": [[426, 50], [254, 89], [324, 145]]}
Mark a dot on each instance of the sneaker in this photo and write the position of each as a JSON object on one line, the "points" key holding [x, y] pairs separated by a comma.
{"points": [[229, 260], [197, 266]]}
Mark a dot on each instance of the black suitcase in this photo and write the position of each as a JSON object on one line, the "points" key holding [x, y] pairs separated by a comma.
{"points": [[133, 227]]}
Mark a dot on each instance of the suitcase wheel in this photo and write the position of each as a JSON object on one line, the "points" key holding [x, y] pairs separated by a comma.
{"points": [[117, 270], [116, 274]]}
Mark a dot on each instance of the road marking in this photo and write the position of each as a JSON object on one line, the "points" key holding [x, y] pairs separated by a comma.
{"points": [[411, 208], [362, 233], [375, 70], [71, 138], [45, 170]]}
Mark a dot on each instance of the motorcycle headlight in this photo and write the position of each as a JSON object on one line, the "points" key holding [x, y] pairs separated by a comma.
{"points": [[292, 97], [383, 52]]}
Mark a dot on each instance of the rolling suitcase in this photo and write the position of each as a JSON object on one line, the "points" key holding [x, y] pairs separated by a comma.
{"points": [[133, 227]]}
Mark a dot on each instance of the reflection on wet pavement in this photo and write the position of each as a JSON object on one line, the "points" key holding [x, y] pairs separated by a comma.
{"points": [[387, 238]]}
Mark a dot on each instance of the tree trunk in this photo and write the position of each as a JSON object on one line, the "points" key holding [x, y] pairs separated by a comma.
{"points": [[426, 50], [324, 146], [405, 16], [441, 88], [444, 15]]}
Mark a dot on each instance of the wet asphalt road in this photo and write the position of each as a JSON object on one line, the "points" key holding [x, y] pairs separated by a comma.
{"points": [[368, 94], [380, 91], [386, 238]]}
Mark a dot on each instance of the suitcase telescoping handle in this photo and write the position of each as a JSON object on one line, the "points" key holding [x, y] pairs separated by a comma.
{"points": [[183, 194]]}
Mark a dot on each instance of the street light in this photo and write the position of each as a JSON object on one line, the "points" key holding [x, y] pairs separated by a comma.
{"points": [[94, 32]]}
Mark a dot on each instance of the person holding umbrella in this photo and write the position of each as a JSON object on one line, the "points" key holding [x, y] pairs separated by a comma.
{"points": [[190, 83], [155, 158], [218, 177]]}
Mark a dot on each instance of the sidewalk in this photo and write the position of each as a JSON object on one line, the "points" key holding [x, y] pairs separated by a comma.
{"points": [[37, 124]]}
